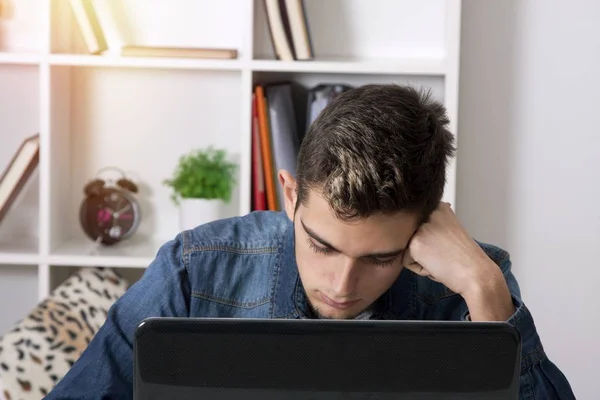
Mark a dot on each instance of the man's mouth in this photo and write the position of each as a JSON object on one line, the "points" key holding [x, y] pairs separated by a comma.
{"points": [[337, 304]]}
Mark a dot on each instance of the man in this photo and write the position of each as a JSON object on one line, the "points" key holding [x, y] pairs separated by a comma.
{"points": [[364, 235]]}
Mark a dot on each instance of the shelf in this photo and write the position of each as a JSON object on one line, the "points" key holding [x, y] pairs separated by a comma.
{"points": [[18, 259], [95, 111], [144, 62], [83, 252], [19, 251], [20, 58], [108, 114], [401, 66]]}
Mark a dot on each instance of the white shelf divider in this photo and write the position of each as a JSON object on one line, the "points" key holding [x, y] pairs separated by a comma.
{"points": [[451, 83], [44, 163]]}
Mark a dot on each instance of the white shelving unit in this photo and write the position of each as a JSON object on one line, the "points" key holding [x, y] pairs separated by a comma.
{"points": [[141, 114]]}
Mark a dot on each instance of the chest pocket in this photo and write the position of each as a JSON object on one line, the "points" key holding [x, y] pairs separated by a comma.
{"points": [[232, 277]]}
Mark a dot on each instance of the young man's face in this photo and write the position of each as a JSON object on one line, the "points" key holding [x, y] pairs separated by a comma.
{"points": [[346, 266]]}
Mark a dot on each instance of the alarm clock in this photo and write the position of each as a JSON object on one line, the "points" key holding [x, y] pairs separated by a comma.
{"points": [[110, 213]]}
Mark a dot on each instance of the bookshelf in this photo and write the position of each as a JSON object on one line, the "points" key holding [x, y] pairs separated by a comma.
{"points": [[141, 114]]}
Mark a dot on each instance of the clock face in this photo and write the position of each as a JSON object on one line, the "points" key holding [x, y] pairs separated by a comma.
{"points": [[112, 215]]}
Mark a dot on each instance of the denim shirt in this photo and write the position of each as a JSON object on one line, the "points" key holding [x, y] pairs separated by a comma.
{"points": [[245, 267]]}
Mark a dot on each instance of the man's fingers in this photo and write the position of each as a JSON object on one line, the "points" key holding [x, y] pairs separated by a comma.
{"points": [[407, 257], [409, 262], [417, 269]]}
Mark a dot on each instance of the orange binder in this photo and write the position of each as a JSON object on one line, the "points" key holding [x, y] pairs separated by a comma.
{"points": [[259, 200], [265, 143]]}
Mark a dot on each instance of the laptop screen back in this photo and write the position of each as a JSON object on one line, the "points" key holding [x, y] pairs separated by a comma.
{"points": [[316, 359]]}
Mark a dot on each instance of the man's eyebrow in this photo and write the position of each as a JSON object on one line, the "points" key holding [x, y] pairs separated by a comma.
{"points": [[387, 254], [312, 234]]}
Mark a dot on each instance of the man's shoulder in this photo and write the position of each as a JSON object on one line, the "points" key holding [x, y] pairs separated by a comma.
{"points": [[253, 231], [496, 253], [232, 263]]}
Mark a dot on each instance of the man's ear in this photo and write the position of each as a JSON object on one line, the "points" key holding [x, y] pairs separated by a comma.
{"points": [[288, 185]]}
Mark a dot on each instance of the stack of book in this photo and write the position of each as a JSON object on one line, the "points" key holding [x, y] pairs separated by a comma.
{"points": [[94, 38], [286, 20], [278, 131]]}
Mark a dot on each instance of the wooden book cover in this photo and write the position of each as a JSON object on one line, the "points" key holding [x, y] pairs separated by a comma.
{"points": [[18, 171], [89, 25], [176, 52]]}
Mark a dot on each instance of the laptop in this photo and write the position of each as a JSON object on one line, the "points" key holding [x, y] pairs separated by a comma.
{"points": [[277, 359]]}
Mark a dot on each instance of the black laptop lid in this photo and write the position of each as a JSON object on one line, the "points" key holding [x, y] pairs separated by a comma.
{"points": [[251, 359]]}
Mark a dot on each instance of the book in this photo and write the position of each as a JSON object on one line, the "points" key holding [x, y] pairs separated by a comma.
{"points": [[89, 26], [259, 200], [320, 96], [276, 24], [266, 149], [286, 26], [18, 171], [283, 128], [108, 18], [187, 52], [298, 25]]}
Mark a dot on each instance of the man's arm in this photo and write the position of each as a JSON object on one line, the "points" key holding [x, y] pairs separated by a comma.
{"points": [[540, 377], [442, 250], [105, 368]]}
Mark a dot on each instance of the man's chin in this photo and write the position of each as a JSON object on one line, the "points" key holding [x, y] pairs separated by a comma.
{"points": [[327, 312], [336, 315]]}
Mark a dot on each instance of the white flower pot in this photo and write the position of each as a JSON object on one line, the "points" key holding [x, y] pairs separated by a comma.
{"points": [[194, 212]]}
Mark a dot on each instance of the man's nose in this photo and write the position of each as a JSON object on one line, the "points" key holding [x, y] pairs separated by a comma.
{"points": [[345, 280]]}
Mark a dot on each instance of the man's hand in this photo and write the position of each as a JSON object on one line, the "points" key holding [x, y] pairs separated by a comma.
{"points": [[442, 250]]}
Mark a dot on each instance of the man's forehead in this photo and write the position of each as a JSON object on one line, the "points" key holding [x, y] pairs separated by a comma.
{"points": [[318, 211], [368, 236]]}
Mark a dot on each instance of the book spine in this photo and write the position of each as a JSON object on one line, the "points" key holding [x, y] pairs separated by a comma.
{"points": [[281, 45], [89, 26]]}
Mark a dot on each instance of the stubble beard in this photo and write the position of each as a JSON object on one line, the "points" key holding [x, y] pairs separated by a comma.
{"points": [[316, 312]]}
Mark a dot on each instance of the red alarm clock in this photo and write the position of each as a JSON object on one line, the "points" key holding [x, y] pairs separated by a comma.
{"points": [[110, 213]]}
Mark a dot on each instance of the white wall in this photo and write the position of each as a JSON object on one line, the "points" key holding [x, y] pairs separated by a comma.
{"points": [[529, 162]]}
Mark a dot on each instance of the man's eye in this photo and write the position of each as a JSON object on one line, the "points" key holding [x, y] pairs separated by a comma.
{"points": [[384, 262], [318, 249]]}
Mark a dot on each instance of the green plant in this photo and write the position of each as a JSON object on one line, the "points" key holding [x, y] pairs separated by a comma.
{"points": [[203, 174]]}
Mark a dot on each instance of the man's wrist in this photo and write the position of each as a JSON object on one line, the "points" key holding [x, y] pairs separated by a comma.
{"points": [[488, 298]]}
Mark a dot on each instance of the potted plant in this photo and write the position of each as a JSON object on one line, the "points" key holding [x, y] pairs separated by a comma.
{"points": [[202, 182]]}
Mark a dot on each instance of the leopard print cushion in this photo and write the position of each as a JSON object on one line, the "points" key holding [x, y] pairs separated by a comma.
{"points": [[41, 347]]}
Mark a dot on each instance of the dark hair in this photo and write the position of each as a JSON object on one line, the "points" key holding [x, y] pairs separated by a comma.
{"points": [[377, 149]]}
